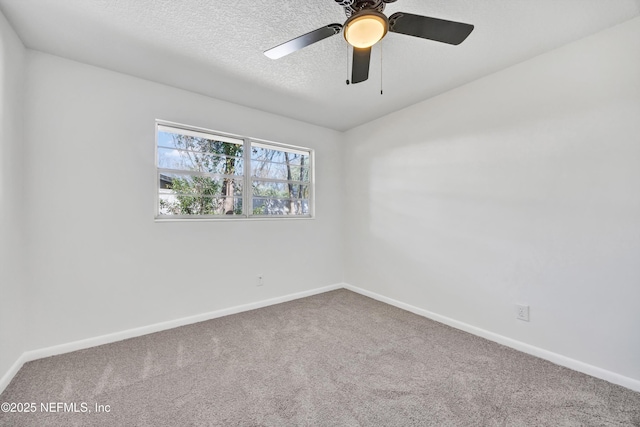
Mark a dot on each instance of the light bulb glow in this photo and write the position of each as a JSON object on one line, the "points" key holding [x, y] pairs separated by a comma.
{"points": [[365, 30]]}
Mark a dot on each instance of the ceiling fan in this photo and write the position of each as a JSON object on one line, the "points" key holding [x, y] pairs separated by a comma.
{"points": [[366, 25]]}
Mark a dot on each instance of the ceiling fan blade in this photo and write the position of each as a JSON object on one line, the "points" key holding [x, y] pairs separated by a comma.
{"points": [[425, 27], [360, 69], [303, 41]]}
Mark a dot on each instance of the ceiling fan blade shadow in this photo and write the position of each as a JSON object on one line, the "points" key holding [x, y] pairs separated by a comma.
{"points": [[361, 60], [303, 41], [425, 27]]}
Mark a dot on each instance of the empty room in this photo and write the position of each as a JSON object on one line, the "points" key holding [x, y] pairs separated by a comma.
{"points": [[319, 213]]}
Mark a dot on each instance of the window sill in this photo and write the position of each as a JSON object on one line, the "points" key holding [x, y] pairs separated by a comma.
{"points": [[234, 218]]}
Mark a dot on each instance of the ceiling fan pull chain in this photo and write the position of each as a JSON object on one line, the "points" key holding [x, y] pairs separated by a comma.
{"points": [[380, 67], [347, 63]]}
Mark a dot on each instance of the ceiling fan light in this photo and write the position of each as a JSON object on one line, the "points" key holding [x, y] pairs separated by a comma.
{"points": [[366, 29]]}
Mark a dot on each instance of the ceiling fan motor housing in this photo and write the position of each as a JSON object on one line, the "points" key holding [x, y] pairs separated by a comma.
{"points": [[352, 7]]}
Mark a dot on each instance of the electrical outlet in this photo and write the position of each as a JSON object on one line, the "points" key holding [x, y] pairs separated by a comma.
{"points": [[522, 312], [260, 281]]}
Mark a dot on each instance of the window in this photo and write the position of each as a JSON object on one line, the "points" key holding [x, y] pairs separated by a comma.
{"points": [[206, 174]]}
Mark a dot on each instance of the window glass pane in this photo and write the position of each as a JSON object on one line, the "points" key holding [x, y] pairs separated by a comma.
{"points": [[171, 158], [280, 190], [172, 183], [171, 204], [199, 144], [275, 155], [298, 159], [286, 171], [270, 206]]}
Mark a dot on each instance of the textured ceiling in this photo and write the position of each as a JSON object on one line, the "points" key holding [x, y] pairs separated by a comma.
{"points": [[214, 47]]}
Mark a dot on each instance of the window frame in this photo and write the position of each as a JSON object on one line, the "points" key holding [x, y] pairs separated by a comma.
{"points": [[246, 178]]}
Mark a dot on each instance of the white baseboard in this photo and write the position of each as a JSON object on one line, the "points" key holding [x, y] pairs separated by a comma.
{"points": [[13, 370], [556, 358], [28, 356]]}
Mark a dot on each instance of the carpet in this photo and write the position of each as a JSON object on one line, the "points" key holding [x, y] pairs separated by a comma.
{"points": [[335, 359]]}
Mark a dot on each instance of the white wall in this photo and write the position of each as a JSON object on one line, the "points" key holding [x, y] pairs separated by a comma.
{"points": [[521, 187], [99, 263], [12, 280]]}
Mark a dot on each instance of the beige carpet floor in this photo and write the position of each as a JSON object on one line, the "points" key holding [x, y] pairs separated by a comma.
{"points": [[336, 359]]}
